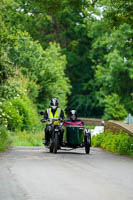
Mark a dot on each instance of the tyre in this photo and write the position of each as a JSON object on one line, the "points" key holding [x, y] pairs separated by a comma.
{"points": [[55, 142], [51, 146], [87, 144]]}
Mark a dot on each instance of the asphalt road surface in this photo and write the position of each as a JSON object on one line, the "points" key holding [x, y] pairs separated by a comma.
{"points": [[32, 173]]}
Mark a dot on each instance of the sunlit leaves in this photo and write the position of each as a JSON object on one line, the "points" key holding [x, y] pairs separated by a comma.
{"points": [[113, 108]]}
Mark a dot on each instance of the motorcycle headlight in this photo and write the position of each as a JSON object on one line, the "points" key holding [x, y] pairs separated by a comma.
{"points": [[56, 122]]}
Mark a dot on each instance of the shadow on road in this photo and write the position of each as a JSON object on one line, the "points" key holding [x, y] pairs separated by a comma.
{"points": [[67, 151]]}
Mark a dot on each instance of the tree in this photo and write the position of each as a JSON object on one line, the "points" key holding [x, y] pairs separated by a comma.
{"points": [[113, 108], [6, 66], [45, 68]]}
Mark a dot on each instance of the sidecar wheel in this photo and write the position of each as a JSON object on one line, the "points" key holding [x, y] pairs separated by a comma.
{"points": [[87, 148], [87, 145]]}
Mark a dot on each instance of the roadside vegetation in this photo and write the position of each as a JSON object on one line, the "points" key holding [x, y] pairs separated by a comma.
{"points": [[118, 143], [26, 139], [4, 138]]}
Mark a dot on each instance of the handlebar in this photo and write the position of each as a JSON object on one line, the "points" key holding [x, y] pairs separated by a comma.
{"points": [[43, 120], [52, 120]]}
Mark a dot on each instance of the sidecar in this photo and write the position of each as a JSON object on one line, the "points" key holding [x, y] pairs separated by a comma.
{"points": [[76, 137]]}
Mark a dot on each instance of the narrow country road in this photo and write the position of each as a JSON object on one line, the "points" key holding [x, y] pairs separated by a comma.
{"points": [[32, 173]]}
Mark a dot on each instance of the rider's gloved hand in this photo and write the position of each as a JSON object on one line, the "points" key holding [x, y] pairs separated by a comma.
{"points": [[62, 119], [43, 120]]}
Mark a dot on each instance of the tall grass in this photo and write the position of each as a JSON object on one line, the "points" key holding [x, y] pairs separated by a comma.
{"points": [[26, 138]]}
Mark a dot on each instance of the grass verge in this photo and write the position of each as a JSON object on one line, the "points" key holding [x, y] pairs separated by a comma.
{"points": [[26, 138]]}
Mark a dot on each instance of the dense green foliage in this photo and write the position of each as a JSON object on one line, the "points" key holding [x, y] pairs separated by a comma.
{"points": [[111, 54], [45, 69], [17, 111], [119, 143], [78, 51], [113, 108], [22, 96], [4, 138]]}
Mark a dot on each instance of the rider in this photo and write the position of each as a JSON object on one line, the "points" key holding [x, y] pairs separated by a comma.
{"points": [[53, 112], [73, 121]]}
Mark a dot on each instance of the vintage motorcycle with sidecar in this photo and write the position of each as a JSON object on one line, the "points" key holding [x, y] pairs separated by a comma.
{"points": [[73, 137]]}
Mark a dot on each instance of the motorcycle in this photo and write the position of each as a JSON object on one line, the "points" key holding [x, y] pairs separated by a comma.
{"points": [[73, 137], [55, 126]]}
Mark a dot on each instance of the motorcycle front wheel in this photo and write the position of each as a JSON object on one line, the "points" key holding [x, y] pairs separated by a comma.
{"points": [[51, 146], [55, 142]]}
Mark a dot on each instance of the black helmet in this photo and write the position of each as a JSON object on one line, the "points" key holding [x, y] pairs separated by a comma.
{"points": [[54, 103], [73, 115]]}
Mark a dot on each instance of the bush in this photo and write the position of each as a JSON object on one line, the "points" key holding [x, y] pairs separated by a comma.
{"points": [[11, 115], [28, 112], [21, 114], [97, 140], [4, 141], [119, 143], [17, 110]]}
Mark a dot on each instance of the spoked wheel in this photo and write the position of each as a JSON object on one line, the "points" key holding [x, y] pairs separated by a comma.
{"points": [[87, 143], [55, 142]]}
